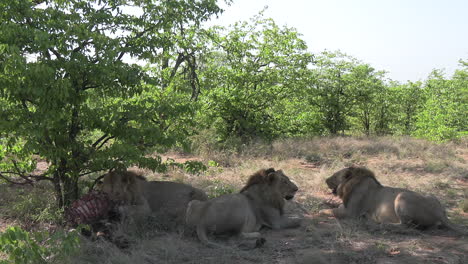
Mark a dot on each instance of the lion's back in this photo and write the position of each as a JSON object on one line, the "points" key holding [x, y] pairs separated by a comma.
{"points": [[227, 213], [363, 194], [398, 205], [383, 200], [422, 210], [170, 199]]}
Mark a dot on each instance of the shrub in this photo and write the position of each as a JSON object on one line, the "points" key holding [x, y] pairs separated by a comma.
{"points": [[37, 247], [219, 188], [190, 166]]}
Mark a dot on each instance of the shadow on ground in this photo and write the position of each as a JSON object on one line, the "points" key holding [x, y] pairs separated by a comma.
{"points": [[319, 240]]}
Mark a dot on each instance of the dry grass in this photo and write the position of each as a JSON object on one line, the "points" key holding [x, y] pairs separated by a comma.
{"points": [[402, 162], [439, 169]]}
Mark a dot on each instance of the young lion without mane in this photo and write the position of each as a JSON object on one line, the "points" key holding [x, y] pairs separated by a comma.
{"points": [[259, 203]]}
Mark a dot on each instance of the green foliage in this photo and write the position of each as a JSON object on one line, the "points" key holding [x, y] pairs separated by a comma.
{"points": [[331, 89], [372, 106], [409, 101], [350, 95], [190, 166], [213, 163], [194, 167], [71, 92], [219, 188], [209, 140], [23, 247], [443, 116], [249, 76], [12, 156]]}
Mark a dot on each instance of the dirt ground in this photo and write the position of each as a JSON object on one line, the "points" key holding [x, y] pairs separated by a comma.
{"points": [[320, 239]]}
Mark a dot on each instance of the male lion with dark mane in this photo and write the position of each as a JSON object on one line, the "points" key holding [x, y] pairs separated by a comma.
{"points": [[259, 203], [168, 200], [363, 195]]}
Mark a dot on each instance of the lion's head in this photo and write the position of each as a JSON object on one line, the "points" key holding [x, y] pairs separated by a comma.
{"points": [[275, 182], [343, 181], [283, 184], [123, 186]]}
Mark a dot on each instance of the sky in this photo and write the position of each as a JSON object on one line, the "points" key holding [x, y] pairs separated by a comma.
{"points": [[408, 39]]}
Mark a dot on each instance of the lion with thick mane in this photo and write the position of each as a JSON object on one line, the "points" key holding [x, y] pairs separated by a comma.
{"points": [[259, 203], [363, 195], [165, 199]]}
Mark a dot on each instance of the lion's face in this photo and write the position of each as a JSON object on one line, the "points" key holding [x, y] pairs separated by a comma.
{"points": [[283, 184], [338, 178], [123, 186]]}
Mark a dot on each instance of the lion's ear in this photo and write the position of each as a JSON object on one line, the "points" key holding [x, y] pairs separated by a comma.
{"points": [[348, 173], [271, 177]]}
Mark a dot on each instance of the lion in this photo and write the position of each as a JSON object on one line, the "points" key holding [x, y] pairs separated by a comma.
{"points": [[167, 200], [259, 203], [364, 196]]}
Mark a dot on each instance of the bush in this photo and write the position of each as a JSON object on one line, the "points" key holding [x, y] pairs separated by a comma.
{"points": [[314, 158], [190, 166], [37, 247], [219, 188]]}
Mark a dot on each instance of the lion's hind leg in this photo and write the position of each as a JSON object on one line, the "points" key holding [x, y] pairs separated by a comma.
{"points": [[339, 212], [252, 240], [404, 206], [415, 210], [203, 237], [250, 235], [290, 222]]}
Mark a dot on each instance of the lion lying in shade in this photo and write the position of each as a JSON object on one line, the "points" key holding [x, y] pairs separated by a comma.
{"points": [[363, 195], [137, 196], [259, 203]]}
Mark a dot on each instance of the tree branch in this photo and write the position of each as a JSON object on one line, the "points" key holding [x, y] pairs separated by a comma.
{"points": [[40, 177], [91, 87], [180, 59], [99, 140], [81, 46], [97, 180], [140, 34], [56, 54], [194, 81], [13, 182], [26, 178], [89, 172], [105, 141]]}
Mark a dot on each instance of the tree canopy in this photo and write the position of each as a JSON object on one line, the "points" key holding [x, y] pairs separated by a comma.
{"points": [[73, 93]]}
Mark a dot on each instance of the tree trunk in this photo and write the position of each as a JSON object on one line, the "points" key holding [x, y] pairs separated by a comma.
{"points": [[58, 190], [65, 185], [69, 189]]}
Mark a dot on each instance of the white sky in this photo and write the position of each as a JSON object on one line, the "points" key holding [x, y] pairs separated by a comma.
{"points": [[406, 38]]}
